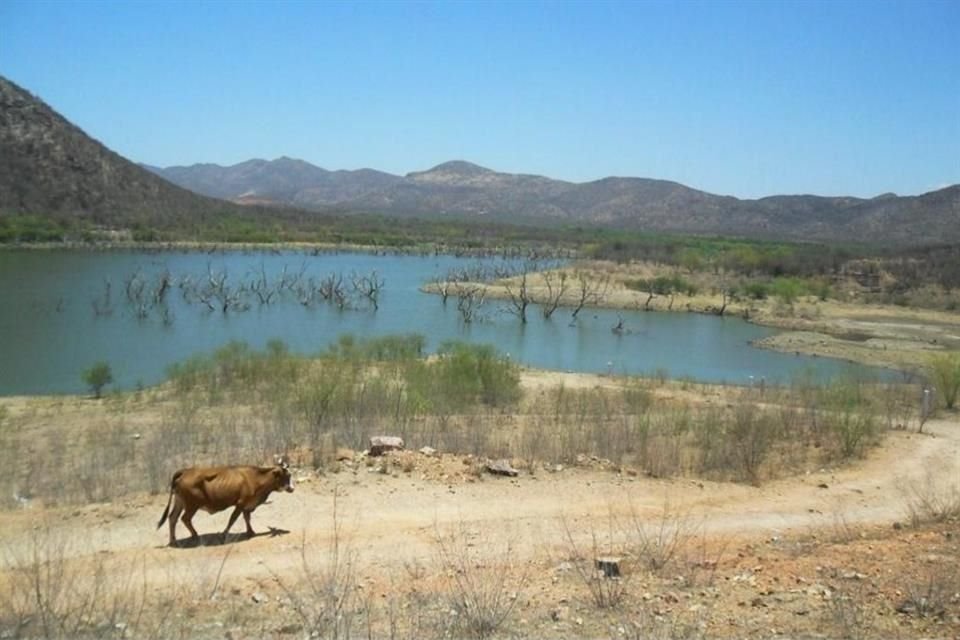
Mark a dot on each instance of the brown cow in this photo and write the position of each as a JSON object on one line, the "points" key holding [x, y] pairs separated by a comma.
{"points": [[214, 489]]}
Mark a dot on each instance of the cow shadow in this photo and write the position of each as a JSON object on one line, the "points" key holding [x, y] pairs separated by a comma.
{"points": [[219, 540]]}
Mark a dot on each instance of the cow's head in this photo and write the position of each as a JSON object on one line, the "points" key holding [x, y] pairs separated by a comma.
{"points": [[282, 472]]}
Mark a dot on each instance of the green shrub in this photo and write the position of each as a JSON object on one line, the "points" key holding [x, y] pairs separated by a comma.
{"points": [[97, 377], [849, 417], [386, 375], [470, 373], [662, 285], [28, 228], [237, 367], [945, 372], [385, 349], [788, 289], [751, 435], [756, 290]]}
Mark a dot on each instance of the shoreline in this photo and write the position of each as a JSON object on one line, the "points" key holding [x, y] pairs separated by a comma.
{"points": [[894, 338]]}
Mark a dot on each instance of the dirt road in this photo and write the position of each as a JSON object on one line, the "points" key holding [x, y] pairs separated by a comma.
{"points": [[391, 521]]}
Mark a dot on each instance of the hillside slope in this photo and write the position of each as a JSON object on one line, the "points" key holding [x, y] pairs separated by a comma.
{"points": [[466, 190], [48, 166]]}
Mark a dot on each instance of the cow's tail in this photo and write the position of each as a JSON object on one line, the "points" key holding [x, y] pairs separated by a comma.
{"points": [[166, 511]]}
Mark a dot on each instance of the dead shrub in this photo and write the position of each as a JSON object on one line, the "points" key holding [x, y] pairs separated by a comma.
{"points": [[325, 598], [648, 624], [659, 543], [605, 583], [847, 615], [56, 588], [931, 594], [483, 587], [932, 499]]}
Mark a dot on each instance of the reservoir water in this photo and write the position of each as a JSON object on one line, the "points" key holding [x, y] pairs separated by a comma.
{"points": [[61, 311]]}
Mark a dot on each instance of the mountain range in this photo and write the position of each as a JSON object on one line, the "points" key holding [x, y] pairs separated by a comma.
{"points": [[48, 166], [467, 190]]}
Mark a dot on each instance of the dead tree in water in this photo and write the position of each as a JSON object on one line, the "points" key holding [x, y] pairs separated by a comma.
{"points": [[331, 289], [442, 287], [368, 287], [160, 293], [262, 288], [556, 283], [589, 292], [470, 298], [218, 291], [519, 297], [618, 328], [104, 306]]}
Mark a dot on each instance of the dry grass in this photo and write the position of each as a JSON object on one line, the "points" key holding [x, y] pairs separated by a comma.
{"points": [[131, 443], [933, 499], [55, 587], [484, 583], [606, 584], [478, 585], [326, 598]]}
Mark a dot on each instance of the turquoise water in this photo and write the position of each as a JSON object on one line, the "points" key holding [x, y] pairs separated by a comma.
{"points": [[55, 321]]}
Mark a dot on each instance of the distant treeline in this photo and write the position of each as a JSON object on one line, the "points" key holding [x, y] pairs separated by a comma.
{"points": [[912, 267]]}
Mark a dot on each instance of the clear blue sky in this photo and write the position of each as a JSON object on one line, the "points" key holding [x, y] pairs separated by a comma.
{"points": [[740, 98]]}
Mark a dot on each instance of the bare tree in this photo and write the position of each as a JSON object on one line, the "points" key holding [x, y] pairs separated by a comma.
{"points": [[165, 280], [470, 298], [726, 289], [519, 296], [218, 291], [368, 287], [103, 306], [262, 288], [331, 289], [289, 281], [590, 291], [618, 328], [556, 283], [651, 294], [442, 286]]}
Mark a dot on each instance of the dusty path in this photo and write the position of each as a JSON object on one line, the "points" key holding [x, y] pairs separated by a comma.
{"points": [[391, 521]]}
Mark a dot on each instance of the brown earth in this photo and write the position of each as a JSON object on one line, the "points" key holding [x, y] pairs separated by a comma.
{"points": [[795, 557]]}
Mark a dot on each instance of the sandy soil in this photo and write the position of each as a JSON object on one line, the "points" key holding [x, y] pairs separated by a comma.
{"points": [[391, 520], [394, 514]]}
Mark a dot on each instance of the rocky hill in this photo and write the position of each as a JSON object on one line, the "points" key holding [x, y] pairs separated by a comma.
{"points": [[48, 166], [284, 180], [466, 190]]}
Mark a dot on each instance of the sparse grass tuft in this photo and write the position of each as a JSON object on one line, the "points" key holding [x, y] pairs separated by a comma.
{"points": [[484, 587], [326, 598], [932, 499]]}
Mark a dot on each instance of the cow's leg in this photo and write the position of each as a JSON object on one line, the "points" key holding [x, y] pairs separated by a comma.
{"points": [[233, 518], [174, 516], [246, 518], [188, 521]]}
